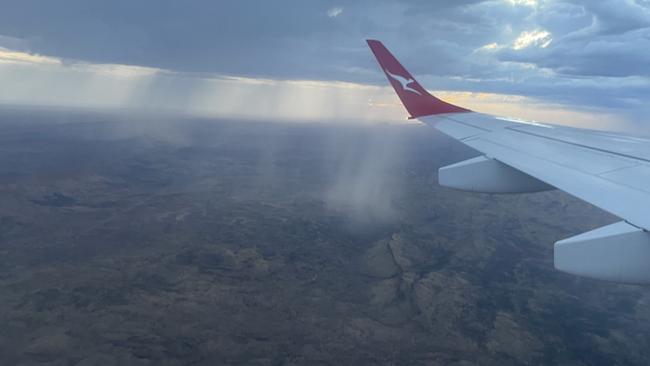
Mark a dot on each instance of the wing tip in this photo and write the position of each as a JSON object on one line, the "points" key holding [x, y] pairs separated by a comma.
{"points": [[417, 101]]}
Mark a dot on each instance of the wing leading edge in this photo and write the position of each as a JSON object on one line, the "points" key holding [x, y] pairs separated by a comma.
{"points": [[607, 170]]}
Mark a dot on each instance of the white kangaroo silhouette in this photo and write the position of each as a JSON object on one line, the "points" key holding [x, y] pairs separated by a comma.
{"points": [[403, 81]]}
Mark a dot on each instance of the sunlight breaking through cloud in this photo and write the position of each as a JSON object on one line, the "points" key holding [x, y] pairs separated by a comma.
{"points": [[490, 47], [9, 56], [39, 80], [523, 2], [334, 12], [36, 80], [539, 38]]}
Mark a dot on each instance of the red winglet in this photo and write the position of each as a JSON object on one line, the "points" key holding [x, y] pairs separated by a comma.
{"points": [[416, 99]]}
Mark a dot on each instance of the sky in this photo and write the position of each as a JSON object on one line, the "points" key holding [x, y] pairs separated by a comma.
{"points": [[567, 61]]}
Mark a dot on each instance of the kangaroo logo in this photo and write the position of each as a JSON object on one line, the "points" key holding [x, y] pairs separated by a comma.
{"points": [[404, 82]]}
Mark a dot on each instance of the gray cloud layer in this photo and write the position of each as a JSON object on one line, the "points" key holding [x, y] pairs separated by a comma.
{"points": [[598, 53]]}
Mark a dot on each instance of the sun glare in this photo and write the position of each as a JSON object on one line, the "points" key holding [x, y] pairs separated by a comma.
{"points": [[539, 38]]}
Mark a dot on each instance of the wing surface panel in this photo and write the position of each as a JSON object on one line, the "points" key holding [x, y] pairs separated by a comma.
{"points": [[605, 179]]}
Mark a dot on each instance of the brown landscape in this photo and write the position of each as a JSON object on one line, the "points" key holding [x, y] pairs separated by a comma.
{"points": [[141, 240]]}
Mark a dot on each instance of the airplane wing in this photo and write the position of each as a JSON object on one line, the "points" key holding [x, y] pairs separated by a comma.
{"points": [[608, 170]]}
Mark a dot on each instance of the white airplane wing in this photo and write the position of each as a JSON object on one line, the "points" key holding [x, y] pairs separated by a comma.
{"points": [[608, 170]]}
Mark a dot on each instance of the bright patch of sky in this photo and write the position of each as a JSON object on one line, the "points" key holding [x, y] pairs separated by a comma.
{"points": [[154, 90], [539, 38], [523, 2], [334, 12], [9, 56]]}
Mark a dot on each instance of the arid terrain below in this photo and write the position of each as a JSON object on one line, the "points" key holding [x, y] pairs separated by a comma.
{"points": [[159, 241]]}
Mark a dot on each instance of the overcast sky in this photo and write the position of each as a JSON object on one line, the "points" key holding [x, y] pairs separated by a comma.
{"points": [[585, 59]]}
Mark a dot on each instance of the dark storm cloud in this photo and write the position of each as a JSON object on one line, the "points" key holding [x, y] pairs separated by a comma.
{"points": [[239, 37], [276, 39], [597, 48]]}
